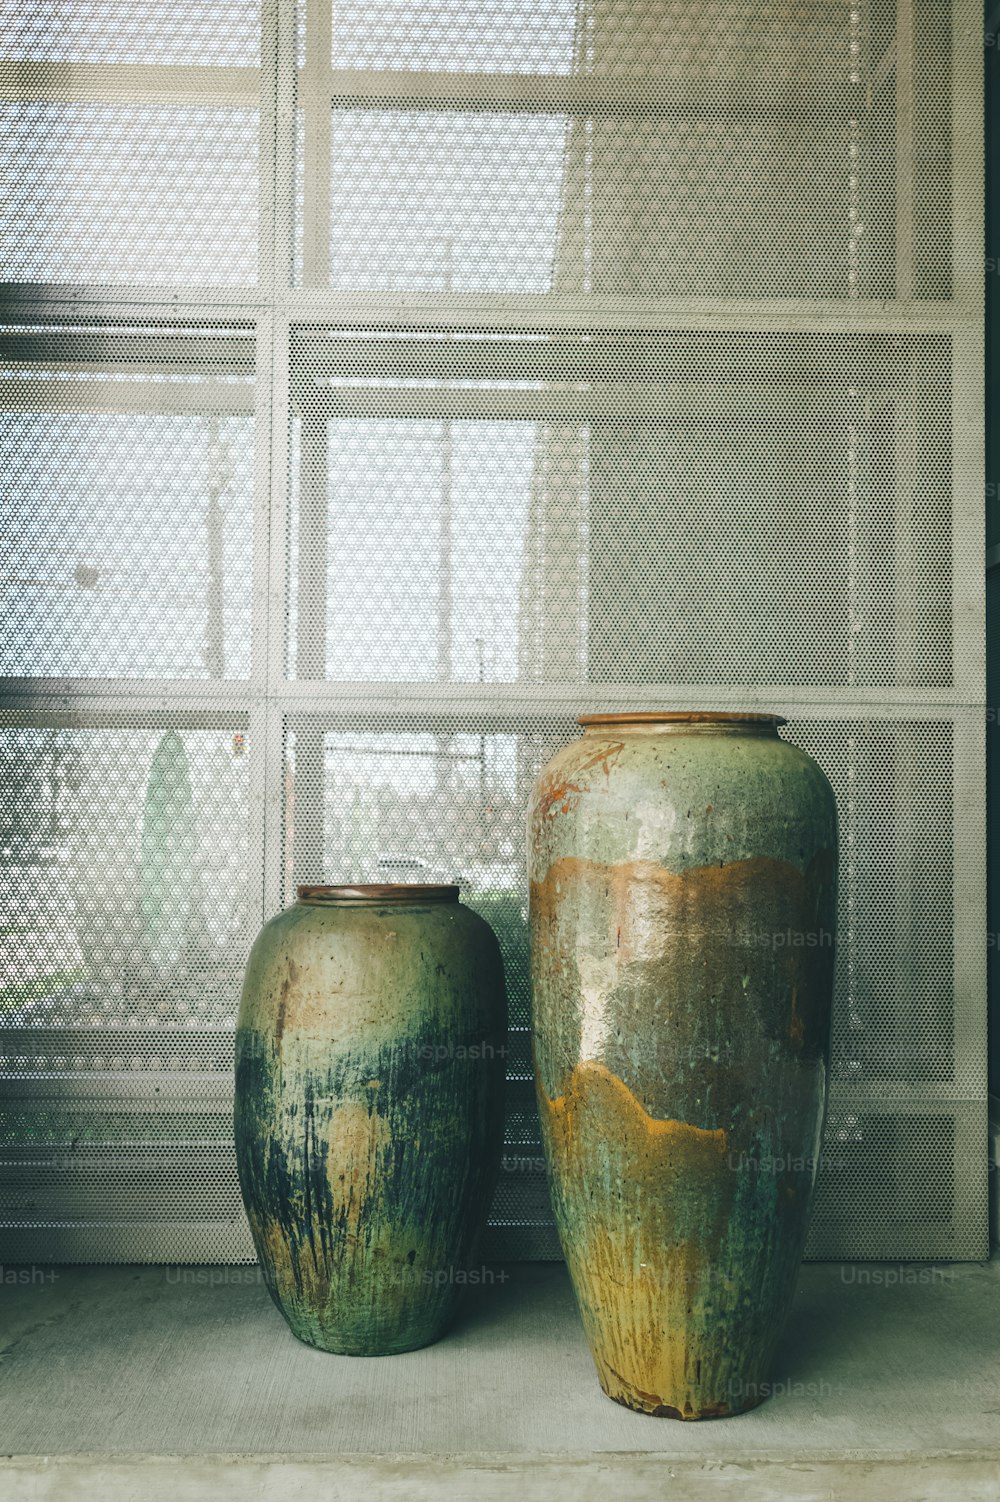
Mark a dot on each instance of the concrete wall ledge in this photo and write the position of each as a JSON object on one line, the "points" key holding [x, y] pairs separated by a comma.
{"points": [[627, 1477]]}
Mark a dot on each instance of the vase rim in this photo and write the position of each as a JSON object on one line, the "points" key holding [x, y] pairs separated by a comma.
{"points": [[378, 893], [753, 718]]}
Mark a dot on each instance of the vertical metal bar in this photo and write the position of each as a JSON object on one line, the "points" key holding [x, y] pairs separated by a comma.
{"points": [[315, 98], [968, 515], [311, 562], [275, 583], [445, 551], [971, 917], [904, 405], [278, 138], [970, 902], [268, 136], [971, 1167], [904, 150], [311, 658], [967, 162], [215, 618], [269, 728], [262, 772], [277, 503]]}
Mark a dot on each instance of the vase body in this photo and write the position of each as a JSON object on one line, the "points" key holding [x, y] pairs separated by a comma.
{"points": [[369, 1110], [682, 909]]}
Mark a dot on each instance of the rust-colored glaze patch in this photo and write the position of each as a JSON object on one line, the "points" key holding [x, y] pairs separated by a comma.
{"points": [[560, 796], [700, 885], [680, 1036], [590, 1079], [661, 1217], [656, 1196], [705, 931]]}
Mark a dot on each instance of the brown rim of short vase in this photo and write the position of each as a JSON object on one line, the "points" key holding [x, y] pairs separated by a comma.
{"points": [[752, 719], [390, 892]]}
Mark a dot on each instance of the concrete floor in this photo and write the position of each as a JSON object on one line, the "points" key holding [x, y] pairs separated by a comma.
{"points": [[887, 1385]]}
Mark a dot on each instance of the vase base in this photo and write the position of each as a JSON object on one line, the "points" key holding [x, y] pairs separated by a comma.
{"points": [[653, 1408], [332, 1347]]}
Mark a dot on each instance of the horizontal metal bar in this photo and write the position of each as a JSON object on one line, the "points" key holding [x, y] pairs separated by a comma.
{"points": [[183, 1092], [36, 393], [25, 301], [101, 704], [543, 311], [155, 1092], [697, 403], [199, 84], [448, 704], [709, 94], [164, 1240], [135, 351], [129, 83], [140, 1045], [614, 355], [907, 1098], [104, 702]]}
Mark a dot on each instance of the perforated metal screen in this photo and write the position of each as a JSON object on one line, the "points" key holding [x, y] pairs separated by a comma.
{"points": [[385, 384]]}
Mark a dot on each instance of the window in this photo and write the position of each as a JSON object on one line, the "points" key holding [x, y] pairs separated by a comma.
{"points": [[385, 384]]}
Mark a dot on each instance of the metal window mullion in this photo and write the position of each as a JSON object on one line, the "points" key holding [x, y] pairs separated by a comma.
{"points": [[160, 398], [904, 584], [129, 83], [77, 302], [268, 153], [270, 812], [433, 703], [277, 207], [276, 584], [163, 351], [967, 166], [968, 474], [536, 312], [414, 88], [442, 402], [111, 711], [310, 664], [315, 99], [261, 772], [904, 149], [969, 908], [516, 312], [280, 144]]}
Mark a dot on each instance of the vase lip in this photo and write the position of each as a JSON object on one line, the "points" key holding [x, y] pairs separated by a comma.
{"points": [[754, 719], [383, 892]]}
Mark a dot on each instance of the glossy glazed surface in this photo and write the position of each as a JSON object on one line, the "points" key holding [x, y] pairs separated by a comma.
{"points": [[369, 1082], [682, 907]]}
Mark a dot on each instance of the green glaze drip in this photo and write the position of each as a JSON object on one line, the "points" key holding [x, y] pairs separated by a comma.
{"points": [[369, 1075], [682, 909]]}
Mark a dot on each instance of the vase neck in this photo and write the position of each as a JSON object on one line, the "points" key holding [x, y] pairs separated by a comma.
{"points": [[682, 721], [378, 895]]}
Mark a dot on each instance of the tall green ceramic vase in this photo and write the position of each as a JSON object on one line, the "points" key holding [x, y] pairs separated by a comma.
{"points": [[369, 1110], [682, 910]]}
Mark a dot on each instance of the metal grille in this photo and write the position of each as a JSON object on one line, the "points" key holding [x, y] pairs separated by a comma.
{"points": [[385, 384], [130, 193]]}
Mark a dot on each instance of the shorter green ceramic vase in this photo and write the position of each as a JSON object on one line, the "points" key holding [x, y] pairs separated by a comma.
{"points": [[369, 1110]]}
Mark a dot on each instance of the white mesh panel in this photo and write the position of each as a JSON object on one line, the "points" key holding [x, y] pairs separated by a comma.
{"points": [[130, 193], [158, 32], [385, 384]]}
